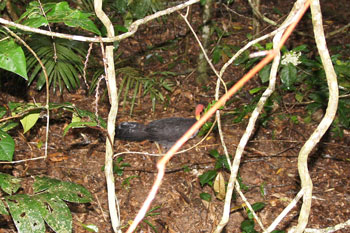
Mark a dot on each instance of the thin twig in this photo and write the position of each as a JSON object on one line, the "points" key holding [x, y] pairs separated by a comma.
{"points": [[99, 205], [261, 16], [202, 48], [338, 31], [85, 65], [48, 26]]}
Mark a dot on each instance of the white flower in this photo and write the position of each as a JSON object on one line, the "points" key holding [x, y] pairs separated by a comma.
{"points": [[291, 57]]}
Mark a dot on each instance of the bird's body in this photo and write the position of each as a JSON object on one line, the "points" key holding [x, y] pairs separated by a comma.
{"points": [[131, 131], [164, 131]]}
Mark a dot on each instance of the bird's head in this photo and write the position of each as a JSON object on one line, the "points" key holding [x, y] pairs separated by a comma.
{"points": [[199, 110]]}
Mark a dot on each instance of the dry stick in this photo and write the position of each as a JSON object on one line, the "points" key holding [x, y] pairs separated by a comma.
{"points": [[48, 25], [259, 15], [338, 31], [203, 49], [306, 182], [329, 229], [285, 211], [47, 91], [161, 163], [132, 28], [113, 99], [85, 66], [97, 98], [219, 80], [240, 149], [99, 206]]}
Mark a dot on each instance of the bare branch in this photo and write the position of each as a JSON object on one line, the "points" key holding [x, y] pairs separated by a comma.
{"points": [[132, 29], [327, 120]]}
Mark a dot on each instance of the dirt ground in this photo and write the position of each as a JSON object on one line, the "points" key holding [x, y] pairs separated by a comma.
{"points": [[270, 160]]}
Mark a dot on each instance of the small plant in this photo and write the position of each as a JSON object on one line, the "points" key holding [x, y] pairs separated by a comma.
{"points": [[29, 113], [64, 71], [214, 178], [303, 75], [247, 226], [135, 85], [118, 166], [149, 213], [46, 204], [62, 58]]}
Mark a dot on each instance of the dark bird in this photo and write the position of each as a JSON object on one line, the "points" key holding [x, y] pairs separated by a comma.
{"points": [[164, 131]]}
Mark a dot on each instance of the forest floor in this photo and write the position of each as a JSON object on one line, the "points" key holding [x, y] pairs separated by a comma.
{"points": [[269, 164]]}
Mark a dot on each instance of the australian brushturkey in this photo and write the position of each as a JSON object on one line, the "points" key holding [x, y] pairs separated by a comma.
{"points": [[164, 131]]}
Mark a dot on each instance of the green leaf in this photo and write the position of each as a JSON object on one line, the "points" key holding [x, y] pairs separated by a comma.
{"points": [[91, 116], [256, 207], [78, 125], [299, 97], [8, 126], [29, 120], [248, 226], [25, 213], [264, 73], [64, 190], [205, 196], [9, 184], [3, 209], [256, 90], [207, 177], [344, 113], [289, 76], [214, 153], [241, 184], [242, 59], [3, 5], [7, 146], [55, 212], [217, 54], [121, 6], [12, 58], [44, 183], [90, 227], [300, 48], [33, 16], [61, 12], [139, 8], [221, 162], [3, 111], [262, 189]]}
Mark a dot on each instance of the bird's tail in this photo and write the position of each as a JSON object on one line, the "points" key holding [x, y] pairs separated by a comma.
{"points": [[131, 131]]}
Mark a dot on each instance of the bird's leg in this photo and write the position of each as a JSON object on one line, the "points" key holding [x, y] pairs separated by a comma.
{"points": [[159, 150]]}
